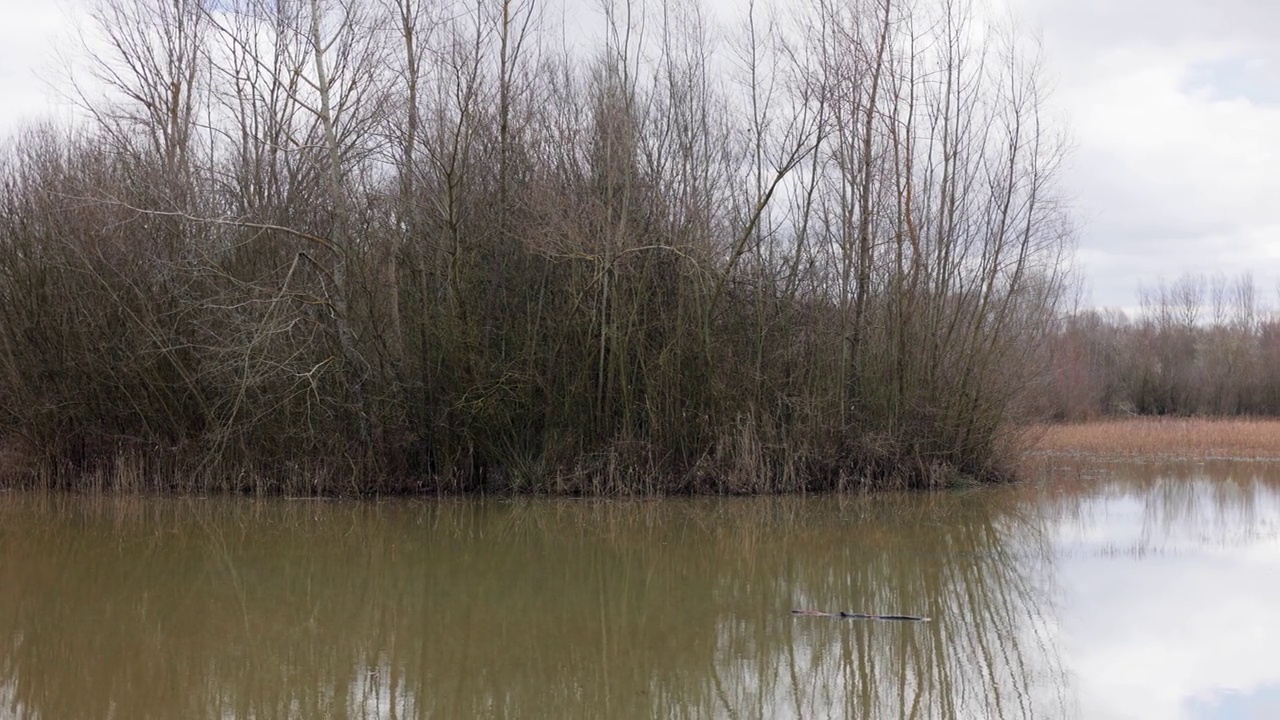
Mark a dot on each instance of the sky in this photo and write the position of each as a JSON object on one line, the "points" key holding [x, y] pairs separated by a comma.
{"points": [[1174, 111], [27, 32], [1173, 108]]}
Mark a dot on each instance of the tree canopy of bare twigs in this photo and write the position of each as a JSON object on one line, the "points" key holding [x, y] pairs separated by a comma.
{"points": [[396, 245], [1197, 345]]}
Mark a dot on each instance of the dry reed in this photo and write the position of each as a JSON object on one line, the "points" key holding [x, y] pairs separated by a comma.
{"points": [[1165, 438]]}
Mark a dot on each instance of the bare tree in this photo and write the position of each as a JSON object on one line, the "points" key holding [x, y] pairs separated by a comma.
{"points": [[405, 237]]}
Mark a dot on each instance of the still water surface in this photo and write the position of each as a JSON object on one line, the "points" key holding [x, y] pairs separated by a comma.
{"points": [[1135, 592]]}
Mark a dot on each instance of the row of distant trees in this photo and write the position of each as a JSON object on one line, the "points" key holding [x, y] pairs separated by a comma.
{"points": [[1198, 345], [318, 245]]}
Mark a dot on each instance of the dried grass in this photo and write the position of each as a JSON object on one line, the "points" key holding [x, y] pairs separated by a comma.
{"points": [[1165, 438]]}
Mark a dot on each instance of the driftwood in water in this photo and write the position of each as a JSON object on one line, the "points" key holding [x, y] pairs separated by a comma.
{"points": [[859, 616]]}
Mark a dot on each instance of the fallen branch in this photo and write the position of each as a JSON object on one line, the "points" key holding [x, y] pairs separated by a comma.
{"points": [[859, 616]]}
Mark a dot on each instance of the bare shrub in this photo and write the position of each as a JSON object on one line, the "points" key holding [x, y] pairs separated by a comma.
{"points": [[391, 245]]}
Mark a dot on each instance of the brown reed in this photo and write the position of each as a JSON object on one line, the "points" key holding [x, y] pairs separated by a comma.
{"points": [[1164, 438]]}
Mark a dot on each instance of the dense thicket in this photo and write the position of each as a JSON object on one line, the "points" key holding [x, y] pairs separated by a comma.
{"points": [[1197, 346], [328, 245]]}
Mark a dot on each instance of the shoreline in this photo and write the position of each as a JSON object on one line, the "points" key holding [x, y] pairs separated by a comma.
{"points": [[1127, 440]]}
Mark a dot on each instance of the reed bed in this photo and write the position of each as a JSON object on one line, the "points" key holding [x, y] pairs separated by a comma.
{"points": [[1165, 438]]}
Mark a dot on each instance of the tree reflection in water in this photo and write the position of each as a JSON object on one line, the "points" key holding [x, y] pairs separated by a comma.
{"points": [[161, 608]]}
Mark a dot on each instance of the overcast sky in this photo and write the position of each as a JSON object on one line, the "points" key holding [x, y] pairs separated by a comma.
{"points": [[1173, 106]]}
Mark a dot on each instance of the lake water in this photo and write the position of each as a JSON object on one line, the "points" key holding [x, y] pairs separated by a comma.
{"points": [[1125, 591]]}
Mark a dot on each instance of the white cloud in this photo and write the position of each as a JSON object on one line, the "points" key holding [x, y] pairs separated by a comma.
{"points": [[29, 32], [1173, 106]]}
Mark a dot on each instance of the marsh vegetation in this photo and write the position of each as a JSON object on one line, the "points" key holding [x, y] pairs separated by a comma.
{"points": [[1164, 438], [353, 246]]}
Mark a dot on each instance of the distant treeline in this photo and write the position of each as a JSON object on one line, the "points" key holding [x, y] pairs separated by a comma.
{"points": [[1197, 346], [392, 245]]}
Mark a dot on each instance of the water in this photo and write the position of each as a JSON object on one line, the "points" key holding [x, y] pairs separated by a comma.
{"points": [[1138, 592]]}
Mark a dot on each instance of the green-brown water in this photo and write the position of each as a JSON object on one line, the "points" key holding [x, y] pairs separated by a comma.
{"points": [[1143, 592]]}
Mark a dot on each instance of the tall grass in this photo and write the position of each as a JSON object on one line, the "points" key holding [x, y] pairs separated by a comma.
{"points": [[1170, 438]]}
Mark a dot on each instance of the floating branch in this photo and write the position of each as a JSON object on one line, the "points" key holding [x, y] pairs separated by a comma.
{"points": [[859, 616]]}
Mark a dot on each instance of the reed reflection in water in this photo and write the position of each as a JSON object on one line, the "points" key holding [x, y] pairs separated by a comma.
{"points": [[163, 608]]}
